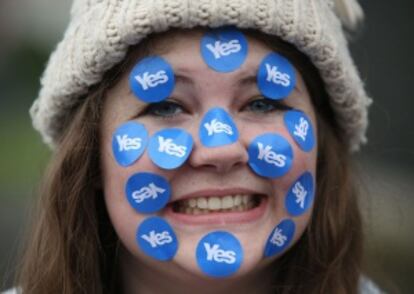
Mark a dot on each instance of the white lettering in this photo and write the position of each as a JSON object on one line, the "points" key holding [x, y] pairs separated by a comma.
{"points": [[125, 143], [224, 49], [271, 157], [151, 191], [277, 77], [215, 127], [278, 238], [157, 239], [169, 147], [214, 253], [301, 130], [148, 80], [300, 193]]}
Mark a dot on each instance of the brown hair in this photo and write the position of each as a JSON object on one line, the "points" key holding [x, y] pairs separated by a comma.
{"points": [[73, 246]]}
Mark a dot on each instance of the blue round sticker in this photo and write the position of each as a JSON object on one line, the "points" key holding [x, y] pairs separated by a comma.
{"points": [[270, 155], [219, 254], [275, 77], [147, 192], [300, 195], [129, 142], [224, 49], [152, 79], [280, 238], [300, 128], [157, 239], [170, 148], [217, 128]]}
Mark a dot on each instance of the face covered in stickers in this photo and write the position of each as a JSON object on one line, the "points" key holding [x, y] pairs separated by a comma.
{"points": [[208, 154]]}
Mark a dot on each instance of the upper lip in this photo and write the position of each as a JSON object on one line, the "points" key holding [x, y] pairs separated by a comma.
{"points": [[214, 192]]}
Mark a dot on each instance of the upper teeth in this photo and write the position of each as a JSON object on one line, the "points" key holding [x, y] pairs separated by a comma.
{"points": [[217, 203]]}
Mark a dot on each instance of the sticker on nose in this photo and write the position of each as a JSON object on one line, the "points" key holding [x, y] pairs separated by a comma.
{"points": [[275, 77], [147, 192], [157, 239], [217, 128], [129, 142], [300, 195], [170, 148], [270, 155], [219, 254], [152, 79], [224, 49], [300, 128], [280, 238]]}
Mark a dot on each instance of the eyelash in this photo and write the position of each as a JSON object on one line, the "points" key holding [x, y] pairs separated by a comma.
{"points": [[276, 105], [154, 109]]}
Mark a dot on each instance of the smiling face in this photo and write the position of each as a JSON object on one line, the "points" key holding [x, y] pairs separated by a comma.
{"points": [[215, 189]]}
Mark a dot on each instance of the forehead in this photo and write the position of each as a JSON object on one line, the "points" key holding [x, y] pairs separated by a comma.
{"points": [[182, 48]]}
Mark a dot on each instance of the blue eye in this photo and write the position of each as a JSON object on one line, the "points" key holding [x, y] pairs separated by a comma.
{"points": [[263, 105], [164, 109]]}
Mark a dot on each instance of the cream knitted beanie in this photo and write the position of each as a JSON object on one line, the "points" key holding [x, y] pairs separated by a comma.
{"points": [[101, 31]]}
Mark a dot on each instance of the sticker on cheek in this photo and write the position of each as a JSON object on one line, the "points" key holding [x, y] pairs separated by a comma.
{"points": [[218, 128], [157, 239], [270, 155], [147, 192], [152, 79], [300, 128], [224, 49], [219, 254], [170, 148], [129, 142], [280, 238], [300, 195], [275, 77]]}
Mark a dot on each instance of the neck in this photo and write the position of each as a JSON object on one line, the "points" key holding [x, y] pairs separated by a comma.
{"points": [[167, 277]]}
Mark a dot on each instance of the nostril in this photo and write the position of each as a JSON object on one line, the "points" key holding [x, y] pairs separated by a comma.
{"points": [[222, 159]]}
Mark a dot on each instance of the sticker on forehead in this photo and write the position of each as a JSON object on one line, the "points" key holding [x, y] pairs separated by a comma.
{"points": [[152, 79], [300, 195], [147, 192], [170, 148], [217, 128], [129, 142], [270, 155], [300, 128], [280, 238], [219, 254], [275, 77], [157, 239], [224, 49]]}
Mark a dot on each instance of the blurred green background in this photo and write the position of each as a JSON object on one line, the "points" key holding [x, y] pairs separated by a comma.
{"points": [[383, 50]]}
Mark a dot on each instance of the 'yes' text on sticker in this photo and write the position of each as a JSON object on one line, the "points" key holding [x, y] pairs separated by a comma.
{"points": [[148, 80], [277, 77], [152, 191], [221, 49], [157, 239], [214, 253], [216, 127], [271, 157], [169, 147], [125, 143]]}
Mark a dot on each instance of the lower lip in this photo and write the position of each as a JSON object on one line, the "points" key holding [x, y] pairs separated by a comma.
{"points": [[218, 218]]}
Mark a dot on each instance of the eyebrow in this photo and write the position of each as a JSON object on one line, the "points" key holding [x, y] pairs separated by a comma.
{"points": [[180, 79], [252, 80]]}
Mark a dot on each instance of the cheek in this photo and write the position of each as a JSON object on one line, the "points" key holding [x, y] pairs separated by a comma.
{"points": [[123, 216]]}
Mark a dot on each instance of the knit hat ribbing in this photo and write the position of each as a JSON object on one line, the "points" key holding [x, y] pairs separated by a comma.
{"points": [[101, 31]]}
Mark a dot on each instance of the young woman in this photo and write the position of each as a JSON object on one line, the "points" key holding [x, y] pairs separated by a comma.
{"points": [[199, 146]]}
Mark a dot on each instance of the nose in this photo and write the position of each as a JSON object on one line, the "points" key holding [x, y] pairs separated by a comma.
{"points": [[221, 159]]}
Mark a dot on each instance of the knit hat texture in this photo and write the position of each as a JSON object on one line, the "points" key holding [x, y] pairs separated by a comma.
{"points": [[101, 31]]}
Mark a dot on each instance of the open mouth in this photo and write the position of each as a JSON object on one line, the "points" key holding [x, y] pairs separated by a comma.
{"points": [[223, 204]]}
